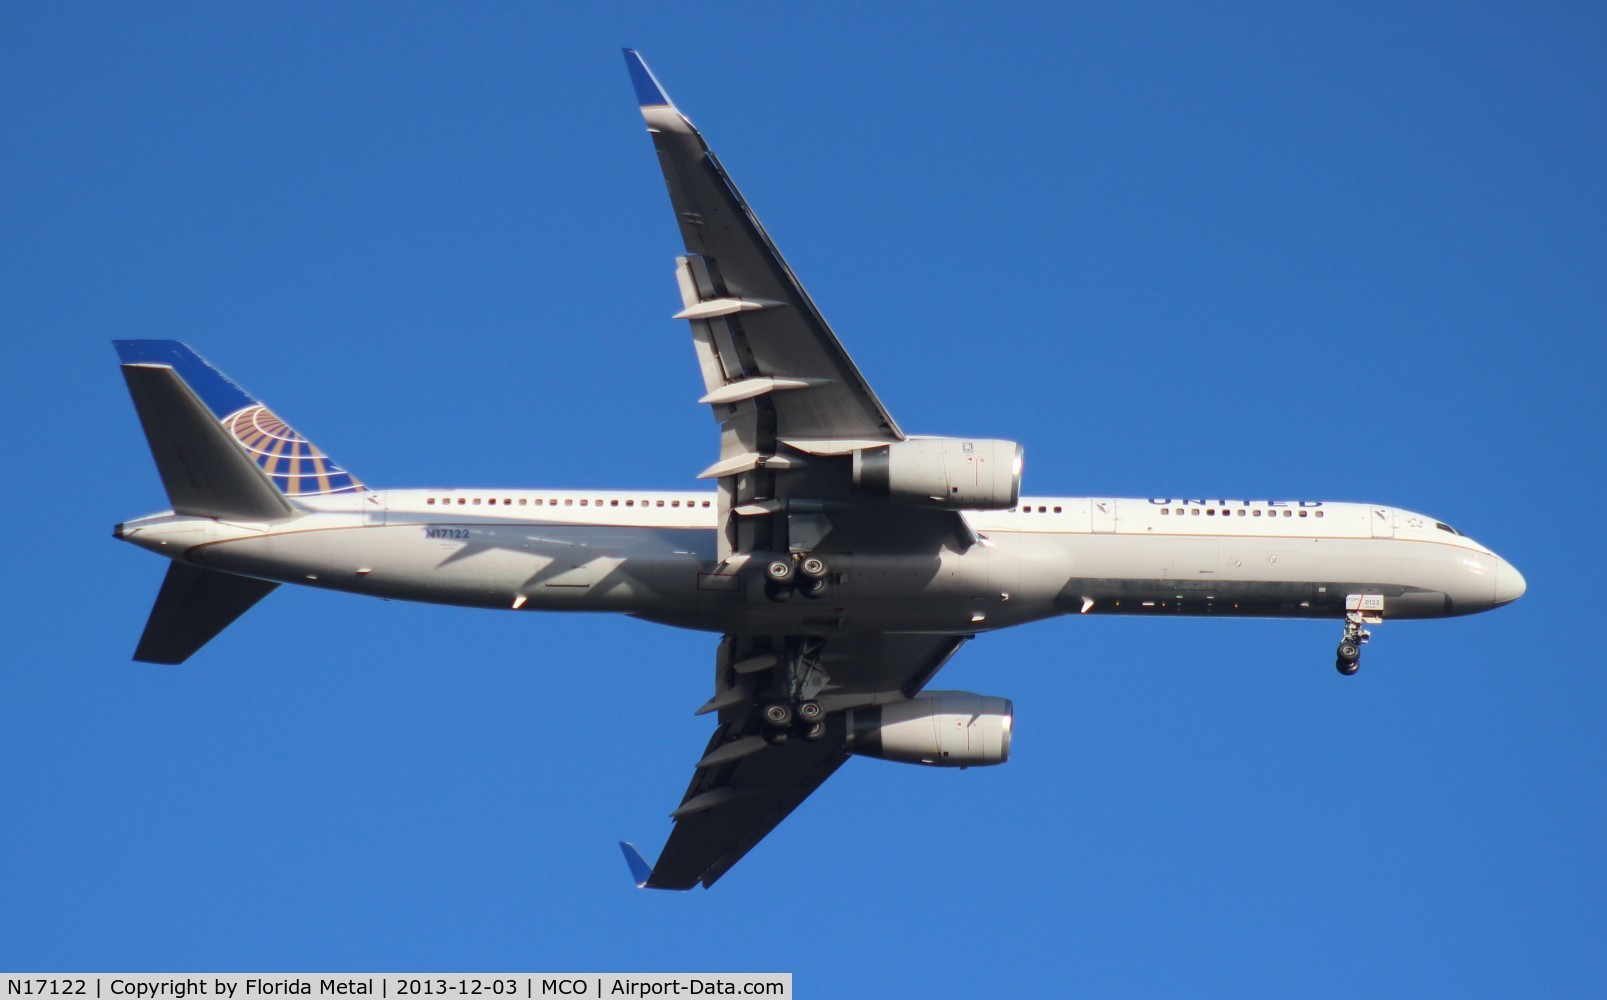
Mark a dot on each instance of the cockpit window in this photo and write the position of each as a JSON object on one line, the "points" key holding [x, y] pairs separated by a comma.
{"points": [[1446, 527]]}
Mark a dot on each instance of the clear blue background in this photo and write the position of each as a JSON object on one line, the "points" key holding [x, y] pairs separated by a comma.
{"points": [[1351, 252]]}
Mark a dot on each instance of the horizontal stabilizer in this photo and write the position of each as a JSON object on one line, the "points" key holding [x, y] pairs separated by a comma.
{"points": [[193, 606], [203, 468]]}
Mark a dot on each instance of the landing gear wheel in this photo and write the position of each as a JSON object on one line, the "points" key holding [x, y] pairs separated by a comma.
{"points": [[813, 567], [778, 715], [810, 711], [780, 593], [812, 588], [779, 570], [1347, 658], [814, 732], [776, 737]]}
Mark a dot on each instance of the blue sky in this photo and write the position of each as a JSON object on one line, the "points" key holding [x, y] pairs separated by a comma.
{"points": [[1350, 251]]}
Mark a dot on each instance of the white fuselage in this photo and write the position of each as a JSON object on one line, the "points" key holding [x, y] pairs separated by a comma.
{"points": [[650, 554]]}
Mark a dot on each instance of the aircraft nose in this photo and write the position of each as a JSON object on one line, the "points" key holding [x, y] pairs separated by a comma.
{"points": [[1509, 583]]}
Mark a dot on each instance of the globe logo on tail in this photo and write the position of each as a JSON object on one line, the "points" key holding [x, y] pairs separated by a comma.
{"points": [[294, 464]]}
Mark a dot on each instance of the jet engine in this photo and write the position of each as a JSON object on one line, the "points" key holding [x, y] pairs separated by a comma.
{"points": [[955, 473], [939, 728]]}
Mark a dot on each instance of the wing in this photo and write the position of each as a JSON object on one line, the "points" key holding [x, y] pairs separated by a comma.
{"points": [[791, 404], [766, 335], [743, 786]]}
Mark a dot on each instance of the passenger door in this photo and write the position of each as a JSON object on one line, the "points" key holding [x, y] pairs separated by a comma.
{"points": [[1102, 515], [1383, 521], [373, 507]]}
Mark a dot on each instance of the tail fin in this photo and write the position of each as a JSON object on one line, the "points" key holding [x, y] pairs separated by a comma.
{"points": [[220, 452], [194, 605]]}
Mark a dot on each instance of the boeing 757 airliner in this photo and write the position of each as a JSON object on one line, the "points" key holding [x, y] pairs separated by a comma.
{"points": [[841, 561]]}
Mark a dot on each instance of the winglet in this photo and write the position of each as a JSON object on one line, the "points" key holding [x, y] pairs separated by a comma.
{"points": [[649, 93], [641, 871], [657, 109]]}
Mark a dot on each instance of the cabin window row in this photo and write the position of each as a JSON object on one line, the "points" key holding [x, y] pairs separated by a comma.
{"points": [[1237, 512], [554, 502]]}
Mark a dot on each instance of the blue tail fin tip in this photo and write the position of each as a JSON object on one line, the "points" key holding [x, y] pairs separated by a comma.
{"points": [[220, 394], [641, 871], [649, 93]]}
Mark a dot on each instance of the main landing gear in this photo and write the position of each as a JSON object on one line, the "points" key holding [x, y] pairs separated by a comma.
{"points": [[782, 720], [1360, 610], [804, 574], [798, 679]]}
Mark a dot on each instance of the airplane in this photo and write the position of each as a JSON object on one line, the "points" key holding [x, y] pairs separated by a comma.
{"points": [[841, 561]]}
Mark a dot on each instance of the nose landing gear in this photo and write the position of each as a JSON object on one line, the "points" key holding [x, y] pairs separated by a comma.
{"points": [[1360, 610]]}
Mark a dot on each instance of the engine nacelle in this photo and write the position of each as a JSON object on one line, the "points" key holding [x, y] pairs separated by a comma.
{"points": [[939, 728], [956, 473]]}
